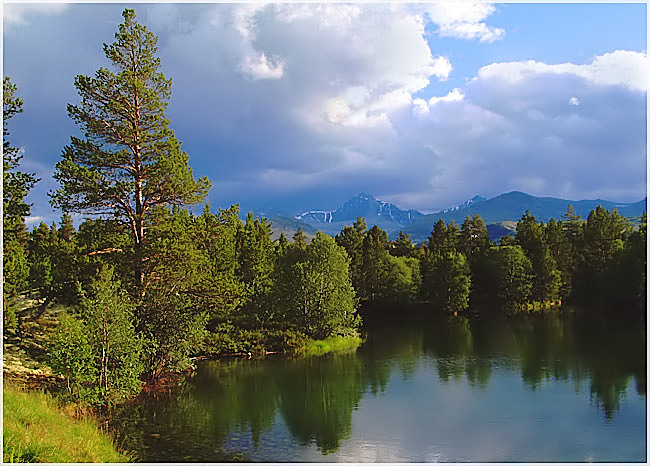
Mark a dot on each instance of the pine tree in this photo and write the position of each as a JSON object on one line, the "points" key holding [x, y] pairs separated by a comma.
{"points": [[16, 185], [129, 160]]}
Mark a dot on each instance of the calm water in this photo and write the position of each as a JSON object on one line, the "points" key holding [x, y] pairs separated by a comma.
{"points": [[534, 390]]}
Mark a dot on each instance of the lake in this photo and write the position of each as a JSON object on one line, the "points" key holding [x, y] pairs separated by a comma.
{"points": [[566, 388]]}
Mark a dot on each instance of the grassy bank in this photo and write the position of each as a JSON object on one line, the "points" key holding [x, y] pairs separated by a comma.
{"points": [[37, 429], [331, 345]]}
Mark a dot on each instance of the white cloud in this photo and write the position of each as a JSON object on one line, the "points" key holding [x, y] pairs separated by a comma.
{"points": [[511, 128], [261, 67], [453, 96], [625, 68], [441, 68], [465, 21]]}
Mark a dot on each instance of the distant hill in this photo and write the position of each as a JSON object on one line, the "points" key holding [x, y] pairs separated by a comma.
{"points": [[385, 215], [511, 206]]}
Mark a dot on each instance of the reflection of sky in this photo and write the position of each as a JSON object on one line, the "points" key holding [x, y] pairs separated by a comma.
{"points": [[420, 418]]}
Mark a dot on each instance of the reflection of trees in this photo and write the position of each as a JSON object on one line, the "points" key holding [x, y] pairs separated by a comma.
{"points": [[453, 345], [608, 354], [614, 355], [191, 423], [318, 397]]}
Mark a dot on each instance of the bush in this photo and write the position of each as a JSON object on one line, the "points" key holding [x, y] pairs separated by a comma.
{"points": [[72, 356]]}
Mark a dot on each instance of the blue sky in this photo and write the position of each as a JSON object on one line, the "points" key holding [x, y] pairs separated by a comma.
{"points": [[295, 107]]}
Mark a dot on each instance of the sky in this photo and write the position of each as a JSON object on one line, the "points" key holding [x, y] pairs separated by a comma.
{"points": [[293, 107]]}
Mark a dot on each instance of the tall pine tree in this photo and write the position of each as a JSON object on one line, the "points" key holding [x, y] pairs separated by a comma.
{"points": [[129, 160]]}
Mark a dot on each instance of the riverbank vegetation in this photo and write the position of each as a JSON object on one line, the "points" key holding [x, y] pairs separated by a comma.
{"points": [[148, 285], [37, 430]]}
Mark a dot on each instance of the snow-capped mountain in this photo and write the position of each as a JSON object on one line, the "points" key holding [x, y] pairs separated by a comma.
{"points": [[374, 211], [470, 202]]}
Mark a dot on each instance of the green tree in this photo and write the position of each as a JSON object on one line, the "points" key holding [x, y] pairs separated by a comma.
{"points": [[217, 237], [314, 294], [108, 313], [628, 272], [474, 240], [603, 238], [443, 238], [374, 262], [531, 237], [402, 246], [256, 256], [16, 185], [402, 279], [448, 281], [71, 355], [512, 275], [351, 239], [563, 253], [129, 160], [179, 294]]}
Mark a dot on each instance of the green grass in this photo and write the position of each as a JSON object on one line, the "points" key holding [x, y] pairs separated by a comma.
{"points": [[331, 344], [37, 430]]}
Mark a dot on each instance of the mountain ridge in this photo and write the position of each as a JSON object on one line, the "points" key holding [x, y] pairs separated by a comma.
{"points": [[497, 212]]}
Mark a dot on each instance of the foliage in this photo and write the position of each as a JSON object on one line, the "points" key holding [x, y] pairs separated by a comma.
{"points": [[256, 255], [473, 240], [71, 355], [511, 273], [402, 246], [351, 239], [402, 279], [15, 184], [603, 237], [336, 344], [171, 314], [448, 280], [227, 339], [312, 291], [15, 187], [109, 319], [531, 236]]}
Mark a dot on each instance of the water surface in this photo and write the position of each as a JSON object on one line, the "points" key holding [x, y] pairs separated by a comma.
{"points": [[553, 388]]}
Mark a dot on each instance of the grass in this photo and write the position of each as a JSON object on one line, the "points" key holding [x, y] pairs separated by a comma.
{"points": [[330, 345], [37, 430]]}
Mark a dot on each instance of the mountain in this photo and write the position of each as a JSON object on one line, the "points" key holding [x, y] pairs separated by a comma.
{"points": [[384, 214], [471, 202], [499, 213], [509, 207]]}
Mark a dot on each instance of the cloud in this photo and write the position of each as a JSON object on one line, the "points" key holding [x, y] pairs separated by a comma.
{"points": [[290, 105], [17, 14], [511, 128], [465, 21], [618, 68], [261, 67]]}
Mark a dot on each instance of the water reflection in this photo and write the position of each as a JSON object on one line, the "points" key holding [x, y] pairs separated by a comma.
{"points": [[228, 406]]}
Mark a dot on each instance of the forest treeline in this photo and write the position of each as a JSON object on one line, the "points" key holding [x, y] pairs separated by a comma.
{"points": [[148, 284]]}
